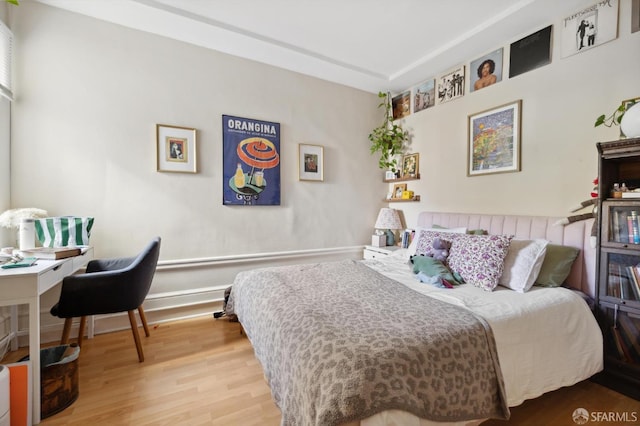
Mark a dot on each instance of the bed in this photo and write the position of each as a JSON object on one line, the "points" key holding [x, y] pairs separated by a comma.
{"points": [[366, 343]]}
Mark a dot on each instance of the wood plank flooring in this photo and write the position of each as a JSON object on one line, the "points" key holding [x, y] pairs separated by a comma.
{"points": [[203, 372]]}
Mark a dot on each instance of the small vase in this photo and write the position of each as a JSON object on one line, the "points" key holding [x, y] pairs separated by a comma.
{"points": [[630, 124]]}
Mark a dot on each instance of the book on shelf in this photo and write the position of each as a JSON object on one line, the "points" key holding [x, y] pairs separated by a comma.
{"points": [[623, 351], [634, 281], [634, 228], [628, 329], [52, 252], [631, 194]]}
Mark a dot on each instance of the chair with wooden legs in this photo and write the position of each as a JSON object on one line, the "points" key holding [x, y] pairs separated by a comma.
{"points": [[109, 286]]}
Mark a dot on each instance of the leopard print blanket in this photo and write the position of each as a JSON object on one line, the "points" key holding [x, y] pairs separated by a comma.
{"points": [[340, 342]]}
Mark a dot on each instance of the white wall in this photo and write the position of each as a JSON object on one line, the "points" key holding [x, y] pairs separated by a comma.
{"points": [[88, 97], [560, 103]]}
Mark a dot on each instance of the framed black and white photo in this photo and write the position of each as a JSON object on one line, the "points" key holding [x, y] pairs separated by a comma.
{"points": [[589, 27], [175, 149], [310, 162], [451, 85], [530, 52]]}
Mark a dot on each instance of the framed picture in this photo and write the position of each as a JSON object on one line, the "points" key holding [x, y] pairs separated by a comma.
{"points": [[494, 140], [401, 105], [398, 189], [310, 162], [175, 149], [635, 16], [451, 85], [250, 162], [486, 71], [530, 52], [590, 27], [410, 165], [425, 95]]}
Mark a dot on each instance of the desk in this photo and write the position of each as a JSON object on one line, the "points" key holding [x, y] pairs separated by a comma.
{"points": [[25, 285]]}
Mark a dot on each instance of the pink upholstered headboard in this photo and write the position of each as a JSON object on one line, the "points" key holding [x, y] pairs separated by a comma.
{"points": [[577, 234]]}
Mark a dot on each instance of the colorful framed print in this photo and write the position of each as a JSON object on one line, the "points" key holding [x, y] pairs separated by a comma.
{"points": [[398, 189], [401, 105], [494, 140], [424, 95], [175, 149], [250, 161], [590, 27], [530, 52], [486, 71], [310, 162], [451, 85], [411, 165]]}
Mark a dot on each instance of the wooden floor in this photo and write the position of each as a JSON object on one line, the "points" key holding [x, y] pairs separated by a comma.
{"points": [[203, 372]]}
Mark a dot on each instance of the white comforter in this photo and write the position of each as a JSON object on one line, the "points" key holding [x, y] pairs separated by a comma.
{"points": [[547, 338]]}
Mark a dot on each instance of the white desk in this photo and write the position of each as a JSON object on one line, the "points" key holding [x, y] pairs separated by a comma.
{"points": [[25, 285]]}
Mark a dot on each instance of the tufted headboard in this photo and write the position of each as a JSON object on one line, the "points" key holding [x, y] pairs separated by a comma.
{"points": [[577, 234]]}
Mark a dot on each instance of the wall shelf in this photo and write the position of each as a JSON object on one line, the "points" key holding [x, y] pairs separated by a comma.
{"points": [[403, 179]]}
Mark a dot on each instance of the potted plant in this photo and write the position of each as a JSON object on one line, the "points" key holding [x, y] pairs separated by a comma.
{"points": [[618, 114], [388, 138]]}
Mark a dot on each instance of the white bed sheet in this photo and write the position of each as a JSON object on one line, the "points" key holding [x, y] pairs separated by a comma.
{"points": [[546, 338]]}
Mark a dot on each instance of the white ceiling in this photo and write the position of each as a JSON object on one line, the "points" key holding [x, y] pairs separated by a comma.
{"points": [[371, 45]]}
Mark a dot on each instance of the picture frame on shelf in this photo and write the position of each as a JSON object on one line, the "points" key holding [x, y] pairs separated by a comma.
{"points": [[310, 162], [176, 149], [411, 165], [398, 189], [389, 175], [494, 140]]}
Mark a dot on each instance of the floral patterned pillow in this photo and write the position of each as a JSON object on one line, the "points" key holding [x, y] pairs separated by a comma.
{"points": [[425, 239], [479, 259]]}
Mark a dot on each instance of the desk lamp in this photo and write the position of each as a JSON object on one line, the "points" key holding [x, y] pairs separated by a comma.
{"points": [[388, 219]]}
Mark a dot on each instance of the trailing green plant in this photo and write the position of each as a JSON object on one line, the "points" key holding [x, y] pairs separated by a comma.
{"points": [[388, 138], [12, 2], [616, 117]]}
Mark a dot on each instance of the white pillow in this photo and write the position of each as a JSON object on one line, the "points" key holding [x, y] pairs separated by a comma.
{"points": [[522, 264], [414, 243]]}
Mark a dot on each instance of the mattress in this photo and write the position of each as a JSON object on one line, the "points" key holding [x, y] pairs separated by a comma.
{"points": [[546, 338]]}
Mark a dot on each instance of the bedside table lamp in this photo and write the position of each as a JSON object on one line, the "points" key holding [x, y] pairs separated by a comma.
{"points": [[388, 219]]}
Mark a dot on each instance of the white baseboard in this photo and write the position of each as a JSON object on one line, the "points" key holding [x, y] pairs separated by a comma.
{"points": [[182, 289]]}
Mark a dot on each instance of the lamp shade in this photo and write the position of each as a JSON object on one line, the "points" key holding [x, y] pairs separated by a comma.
{"points": [[388, 219]]}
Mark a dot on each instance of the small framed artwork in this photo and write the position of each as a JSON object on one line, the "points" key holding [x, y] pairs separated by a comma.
{"points": [[451, 85], [486, 71], [635, 16], [175, 149], [494, 140], [401, 105], [310, 162], [589, 27], [410, 165], [398, 189], [530, 52], [425, 95]]}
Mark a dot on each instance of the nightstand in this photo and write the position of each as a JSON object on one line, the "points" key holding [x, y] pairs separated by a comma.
{"points": [[371, 252]]}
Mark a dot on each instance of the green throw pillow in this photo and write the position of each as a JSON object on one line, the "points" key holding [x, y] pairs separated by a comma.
{"points": [[556, 265], [433, 267]]}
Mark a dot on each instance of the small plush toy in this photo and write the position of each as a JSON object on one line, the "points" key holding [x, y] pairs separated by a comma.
{"points": [[441, 249]]}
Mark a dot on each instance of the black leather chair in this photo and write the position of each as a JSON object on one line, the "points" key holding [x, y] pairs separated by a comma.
{"points": [[109, 286]]}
